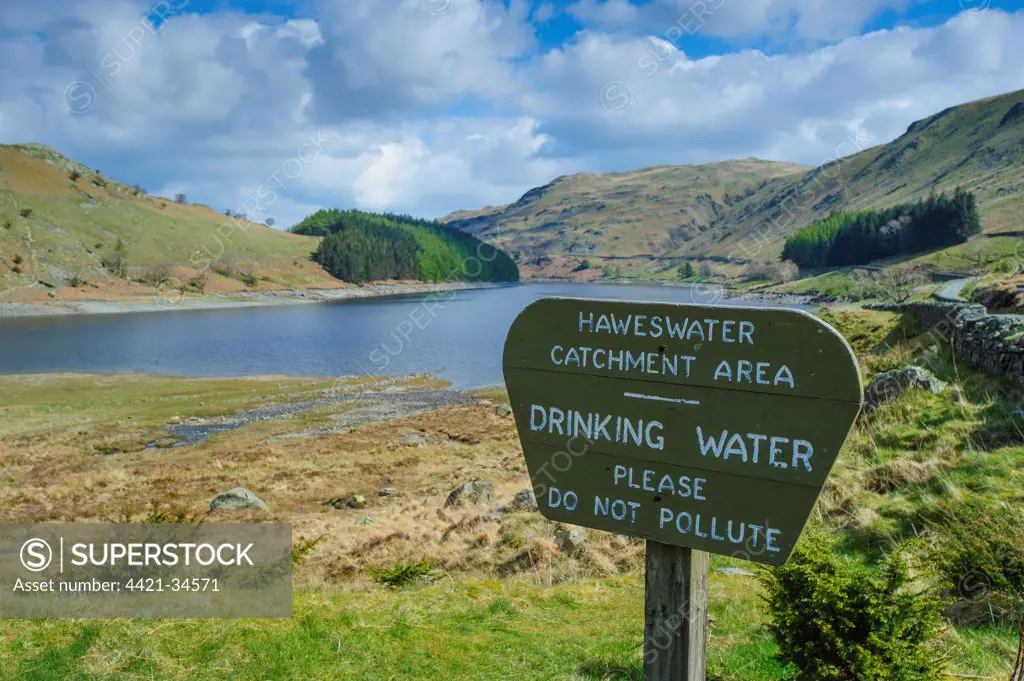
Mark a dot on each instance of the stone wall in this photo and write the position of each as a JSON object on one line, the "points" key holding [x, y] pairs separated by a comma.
{"points": [[993, 343]]}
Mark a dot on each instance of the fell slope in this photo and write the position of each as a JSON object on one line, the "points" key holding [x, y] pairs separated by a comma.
{"points": [[743, 210], [977, 145], [649, 212], [53, 227]]}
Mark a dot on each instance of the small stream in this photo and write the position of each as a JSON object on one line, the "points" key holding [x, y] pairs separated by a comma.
{"points": [[370, 406]]}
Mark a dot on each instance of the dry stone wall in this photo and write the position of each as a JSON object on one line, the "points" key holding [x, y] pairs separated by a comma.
{"points": [[993, 343]]}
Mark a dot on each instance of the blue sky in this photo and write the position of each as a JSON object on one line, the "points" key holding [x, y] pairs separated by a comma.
{"points": [[428, 106]]}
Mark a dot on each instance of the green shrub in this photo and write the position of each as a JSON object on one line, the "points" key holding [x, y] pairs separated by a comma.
{"points": [[74, 175], [16, 270], [198, 282], [979, 555], [1003, 267], [835, 620], [403, 573], [25, 212], [116, 262], [159, 514], [18, 259], [303, 549]]}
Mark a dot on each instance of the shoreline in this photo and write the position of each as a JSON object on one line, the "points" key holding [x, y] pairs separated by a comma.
{"points": [[235, 300], [746, 295], [368, 291]]}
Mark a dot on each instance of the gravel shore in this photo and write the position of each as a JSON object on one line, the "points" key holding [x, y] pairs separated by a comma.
{"points": [[213, 302]]}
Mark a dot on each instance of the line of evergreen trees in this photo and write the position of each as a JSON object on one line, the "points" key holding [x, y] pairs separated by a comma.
{"points": [[360, 246], [857, 238]]}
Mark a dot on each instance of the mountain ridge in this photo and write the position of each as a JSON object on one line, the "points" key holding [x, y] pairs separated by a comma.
{"points": [[743, 209]]}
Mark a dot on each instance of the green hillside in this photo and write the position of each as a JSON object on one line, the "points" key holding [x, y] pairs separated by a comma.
{"points": [[744, 210], [59, 219], [359, 246]]}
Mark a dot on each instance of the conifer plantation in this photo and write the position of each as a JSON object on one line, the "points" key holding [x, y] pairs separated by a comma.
{"points": [[360, 246], [857, 238]]}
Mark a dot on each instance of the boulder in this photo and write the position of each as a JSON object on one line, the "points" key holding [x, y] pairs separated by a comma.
{"points": [[503, 410], [415, 439], [473, 492], [889, 385], [524, 500], [351, 501], [237, 498], [387, 492], [571, 539]]}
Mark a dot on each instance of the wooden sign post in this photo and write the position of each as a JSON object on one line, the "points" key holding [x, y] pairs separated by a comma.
{"points": [[703, 429]]}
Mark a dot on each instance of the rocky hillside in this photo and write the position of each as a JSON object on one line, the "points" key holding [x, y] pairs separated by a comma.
{"points": [[646, 213], [742, 210]]}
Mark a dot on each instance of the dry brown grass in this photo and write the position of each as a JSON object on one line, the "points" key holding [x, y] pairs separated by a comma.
{"points": [[60, 476], [899, 473]]}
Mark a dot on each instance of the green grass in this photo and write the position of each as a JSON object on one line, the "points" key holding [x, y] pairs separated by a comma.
{"points": [[453, 630], [966, 441], [976, 256], [841, 283]]}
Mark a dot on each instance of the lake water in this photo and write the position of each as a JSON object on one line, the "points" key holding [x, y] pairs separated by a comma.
{"points": [[461, 336]]}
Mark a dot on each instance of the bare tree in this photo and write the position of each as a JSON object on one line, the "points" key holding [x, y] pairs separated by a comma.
{"points": [[180, 198], [898, 283], [157, 274], [247, 273], [226, 265], [775, 272], [270, 222]]}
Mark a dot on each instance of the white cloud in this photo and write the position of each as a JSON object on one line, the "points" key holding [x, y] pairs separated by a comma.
{"points": [[816, 20], [429, 111], [381, 59], [628, 95]]}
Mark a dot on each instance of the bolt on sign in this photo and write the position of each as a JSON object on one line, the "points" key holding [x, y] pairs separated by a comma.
{"points": [[708, 427]]}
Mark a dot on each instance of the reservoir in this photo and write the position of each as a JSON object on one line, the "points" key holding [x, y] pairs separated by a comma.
{"points": [[457, 335]]}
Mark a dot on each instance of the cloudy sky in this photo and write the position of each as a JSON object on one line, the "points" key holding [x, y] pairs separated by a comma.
{"points": [[427, 106]]}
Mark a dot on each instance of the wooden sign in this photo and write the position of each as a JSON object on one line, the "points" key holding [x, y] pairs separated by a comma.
{"points": [[712, 428]]}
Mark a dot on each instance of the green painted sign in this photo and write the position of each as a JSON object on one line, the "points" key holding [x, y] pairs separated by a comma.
{"points": [[709, 427]]}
